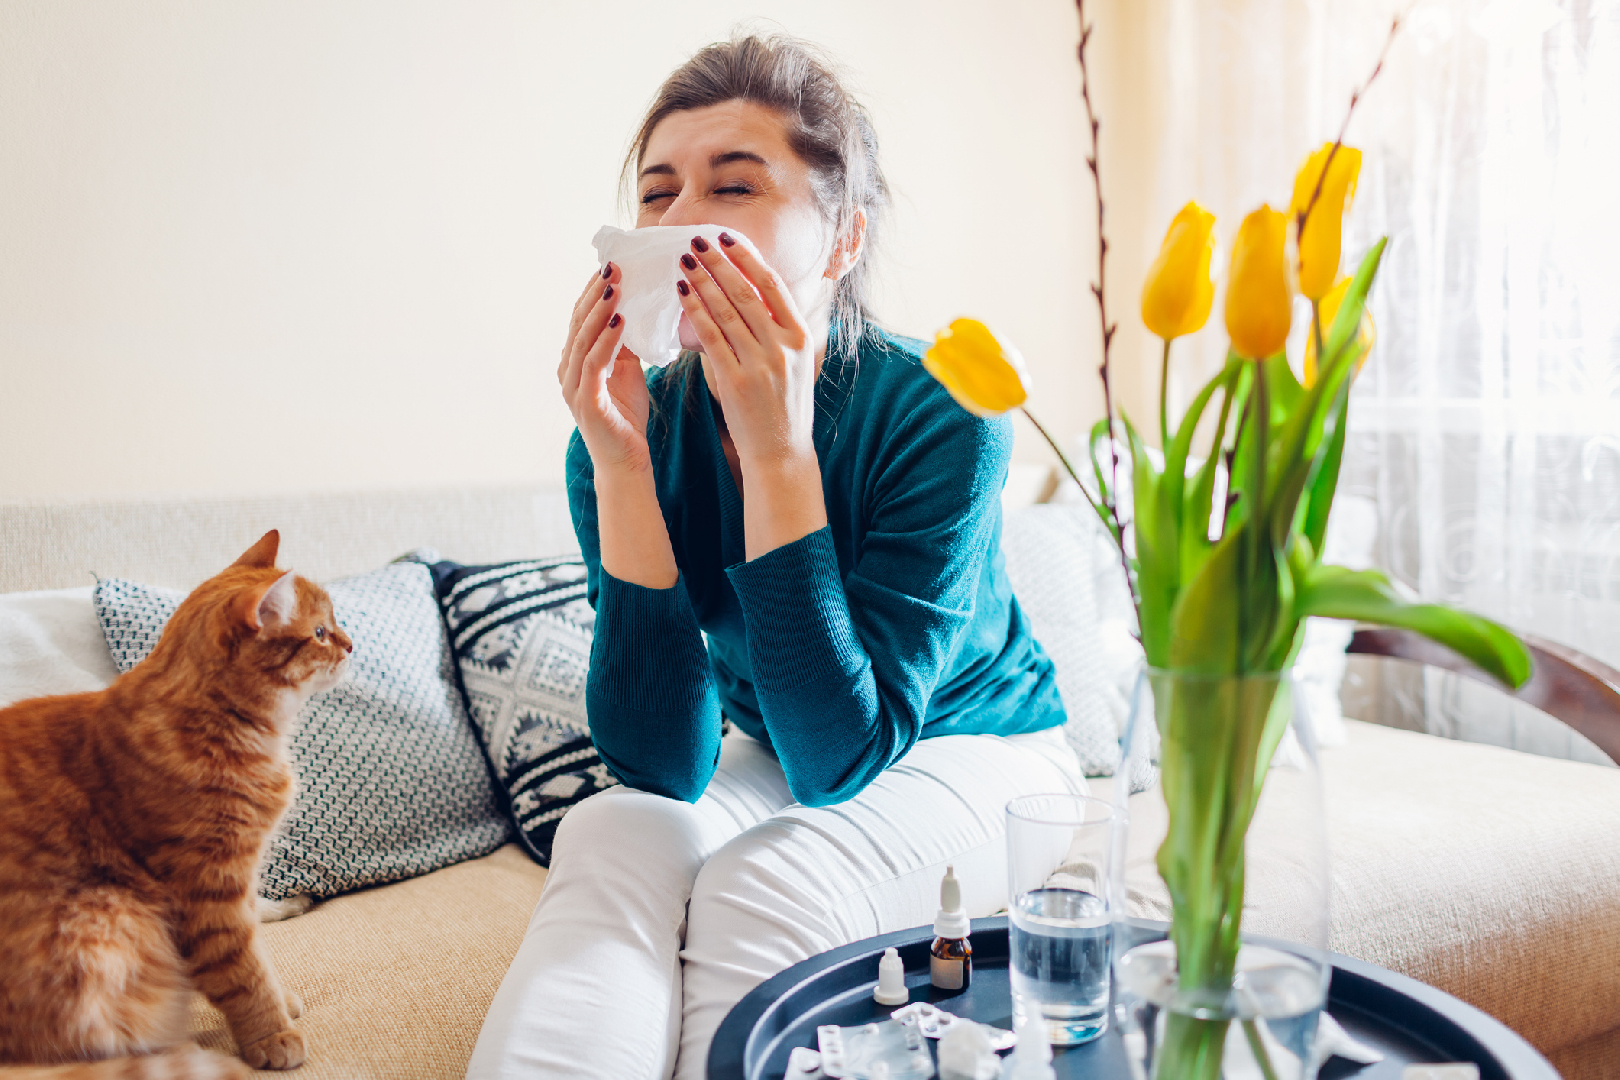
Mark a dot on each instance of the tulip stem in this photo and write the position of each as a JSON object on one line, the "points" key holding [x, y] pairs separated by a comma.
{"points": [[1068, 467], [1316, 330], [1164, 393]]}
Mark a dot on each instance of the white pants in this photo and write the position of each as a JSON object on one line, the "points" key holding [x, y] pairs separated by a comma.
{"points": [[658, 916]]}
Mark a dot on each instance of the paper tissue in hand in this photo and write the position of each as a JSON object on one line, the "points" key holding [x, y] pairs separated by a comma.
{"points": [[649, 264]]}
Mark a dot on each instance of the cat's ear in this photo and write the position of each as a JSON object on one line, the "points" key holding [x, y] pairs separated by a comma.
{"points": [[262, 556], [270, 604]]}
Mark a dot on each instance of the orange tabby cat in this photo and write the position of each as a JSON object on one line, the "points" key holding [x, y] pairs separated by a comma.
{"points": [[132, 824]]}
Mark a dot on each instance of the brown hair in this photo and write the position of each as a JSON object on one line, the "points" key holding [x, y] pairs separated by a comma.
{"points": [[826, 127]]}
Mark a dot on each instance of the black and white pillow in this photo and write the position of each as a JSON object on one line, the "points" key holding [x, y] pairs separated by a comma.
{"points": [[391, 780], [521, 634]]}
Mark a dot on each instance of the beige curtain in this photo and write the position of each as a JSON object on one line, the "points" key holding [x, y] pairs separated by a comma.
{"points": [[1487, 426]]}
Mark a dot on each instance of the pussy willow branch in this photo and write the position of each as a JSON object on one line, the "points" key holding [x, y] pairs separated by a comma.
{"points": [[1344, 128], [1110, 498]]}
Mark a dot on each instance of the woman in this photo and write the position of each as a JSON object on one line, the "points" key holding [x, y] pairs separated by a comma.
{"points": [[808, 497]]}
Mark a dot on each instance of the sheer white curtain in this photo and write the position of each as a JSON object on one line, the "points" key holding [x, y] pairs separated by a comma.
{"points": [[1487, 425]]}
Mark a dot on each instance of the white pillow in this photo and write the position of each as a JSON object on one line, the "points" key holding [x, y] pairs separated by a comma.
{"points": [[51, 643]]}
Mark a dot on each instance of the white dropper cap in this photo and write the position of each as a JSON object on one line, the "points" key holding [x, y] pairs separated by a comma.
{"points": [[1031, 1058], [891, 987], [952, 921]]}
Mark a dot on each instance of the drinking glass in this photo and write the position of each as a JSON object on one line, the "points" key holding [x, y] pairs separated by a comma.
{"points": [[1059, 854]]}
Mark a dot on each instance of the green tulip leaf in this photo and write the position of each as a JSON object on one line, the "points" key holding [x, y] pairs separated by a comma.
{"points": [[1367, 596], [1347, 320], [1205, 626]]}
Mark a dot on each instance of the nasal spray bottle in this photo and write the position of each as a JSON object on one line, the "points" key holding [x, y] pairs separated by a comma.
{"points": [[950, 961]]}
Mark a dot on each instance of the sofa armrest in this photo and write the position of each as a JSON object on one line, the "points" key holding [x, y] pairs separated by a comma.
{"points": [[1565, 683]]}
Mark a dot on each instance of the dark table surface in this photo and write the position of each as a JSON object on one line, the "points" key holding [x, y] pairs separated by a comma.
{"points": [[1406, 1020]]}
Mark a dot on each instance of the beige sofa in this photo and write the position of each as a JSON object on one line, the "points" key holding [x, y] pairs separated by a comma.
{"points": [[1490, 873]]}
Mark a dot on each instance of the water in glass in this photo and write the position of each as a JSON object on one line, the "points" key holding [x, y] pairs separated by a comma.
{"points": [[1060, 951]]}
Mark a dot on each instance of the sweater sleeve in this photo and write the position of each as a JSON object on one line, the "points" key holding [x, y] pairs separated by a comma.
{"points": [[650, 695], [844, 667]]}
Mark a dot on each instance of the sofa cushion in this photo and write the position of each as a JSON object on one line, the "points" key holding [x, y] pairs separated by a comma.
{"points": [[521, 635], [395, 980], [1489, 873], [51, 643], [391, 780]]}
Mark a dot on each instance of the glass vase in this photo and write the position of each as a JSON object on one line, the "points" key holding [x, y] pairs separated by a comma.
{"points": [[1220, 796]]}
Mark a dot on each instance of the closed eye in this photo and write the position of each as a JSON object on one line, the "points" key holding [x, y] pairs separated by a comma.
{"points": [[653, 196]]}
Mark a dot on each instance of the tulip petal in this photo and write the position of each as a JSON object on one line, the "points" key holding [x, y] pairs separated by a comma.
{"points": [[1319, 243], [1178, 294], [1259, 307], [985, 377]]}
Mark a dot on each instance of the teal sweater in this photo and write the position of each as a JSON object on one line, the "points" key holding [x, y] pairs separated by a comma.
{"points": [[840, 650]]}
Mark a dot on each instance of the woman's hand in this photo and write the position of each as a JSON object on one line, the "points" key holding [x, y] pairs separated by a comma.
{"points": [[609, 410], [764, 367], [611, 413], [759, 351]]}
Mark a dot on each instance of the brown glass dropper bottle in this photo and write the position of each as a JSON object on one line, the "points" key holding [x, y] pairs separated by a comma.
{"points": [[950, 960]]}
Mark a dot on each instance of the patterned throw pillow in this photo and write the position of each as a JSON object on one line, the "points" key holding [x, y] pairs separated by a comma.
{"points": [[391, 781], [521, 633]]}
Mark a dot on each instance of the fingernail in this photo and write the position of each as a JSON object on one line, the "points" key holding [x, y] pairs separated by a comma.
{"points": [[613, 323], [726, 240], [689, 262], [686, 290], [699, 244], [607, 294], [607, 270]]}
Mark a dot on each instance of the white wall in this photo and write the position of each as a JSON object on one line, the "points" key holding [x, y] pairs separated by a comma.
{"points": [[272, 245]]}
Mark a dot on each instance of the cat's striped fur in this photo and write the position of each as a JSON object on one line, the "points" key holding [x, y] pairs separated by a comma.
{"points": [[132, 824]]}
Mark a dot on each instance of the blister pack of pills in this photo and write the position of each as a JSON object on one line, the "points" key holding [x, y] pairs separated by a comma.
{"points": [[935, 1022], [892, 1050]]}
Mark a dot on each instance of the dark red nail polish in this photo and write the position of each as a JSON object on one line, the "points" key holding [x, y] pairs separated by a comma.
{"points": [[607, 270], [699, 244], [607, 294], [727, 240], [685, 289], [689, 262], [613, 323]]}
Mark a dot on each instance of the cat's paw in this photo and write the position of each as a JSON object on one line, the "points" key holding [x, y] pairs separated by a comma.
{"points": [[277, 910], [283, 1050], [295, 1005]]}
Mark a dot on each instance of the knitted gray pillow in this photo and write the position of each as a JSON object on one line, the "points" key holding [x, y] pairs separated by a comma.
{"points": [[1065, 572], [391, 780]]}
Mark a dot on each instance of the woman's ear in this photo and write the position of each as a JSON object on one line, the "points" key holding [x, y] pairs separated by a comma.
{"points": [[847, 251]]}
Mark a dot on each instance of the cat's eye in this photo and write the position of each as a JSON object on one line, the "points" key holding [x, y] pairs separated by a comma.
{"points": [[320, 633]]}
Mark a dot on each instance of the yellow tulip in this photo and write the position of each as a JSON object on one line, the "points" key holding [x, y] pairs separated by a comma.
{"points": [[1319, 244], [1178, 294], [1366, 333], [1259, 309], [985, 377]]}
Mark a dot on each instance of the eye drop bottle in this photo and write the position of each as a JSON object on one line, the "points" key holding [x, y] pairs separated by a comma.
{"points": [[950, 961]]}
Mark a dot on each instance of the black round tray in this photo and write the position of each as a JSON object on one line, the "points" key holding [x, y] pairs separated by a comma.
{"points": [[1406, 1020]]}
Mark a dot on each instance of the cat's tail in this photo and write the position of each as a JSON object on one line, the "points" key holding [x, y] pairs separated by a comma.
{"points": [[188, 1063]]}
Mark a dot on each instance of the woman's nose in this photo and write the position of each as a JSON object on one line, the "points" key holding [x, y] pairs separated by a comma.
{"points": [[681, 211]]}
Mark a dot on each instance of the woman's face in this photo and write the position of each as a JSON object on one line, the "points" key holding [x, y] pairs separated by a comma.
{"points": [[730, 164]]}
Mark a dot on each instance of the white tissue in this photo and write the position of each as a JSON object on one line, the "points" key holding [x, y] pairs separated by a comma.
{"points": [[649, 264]]}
